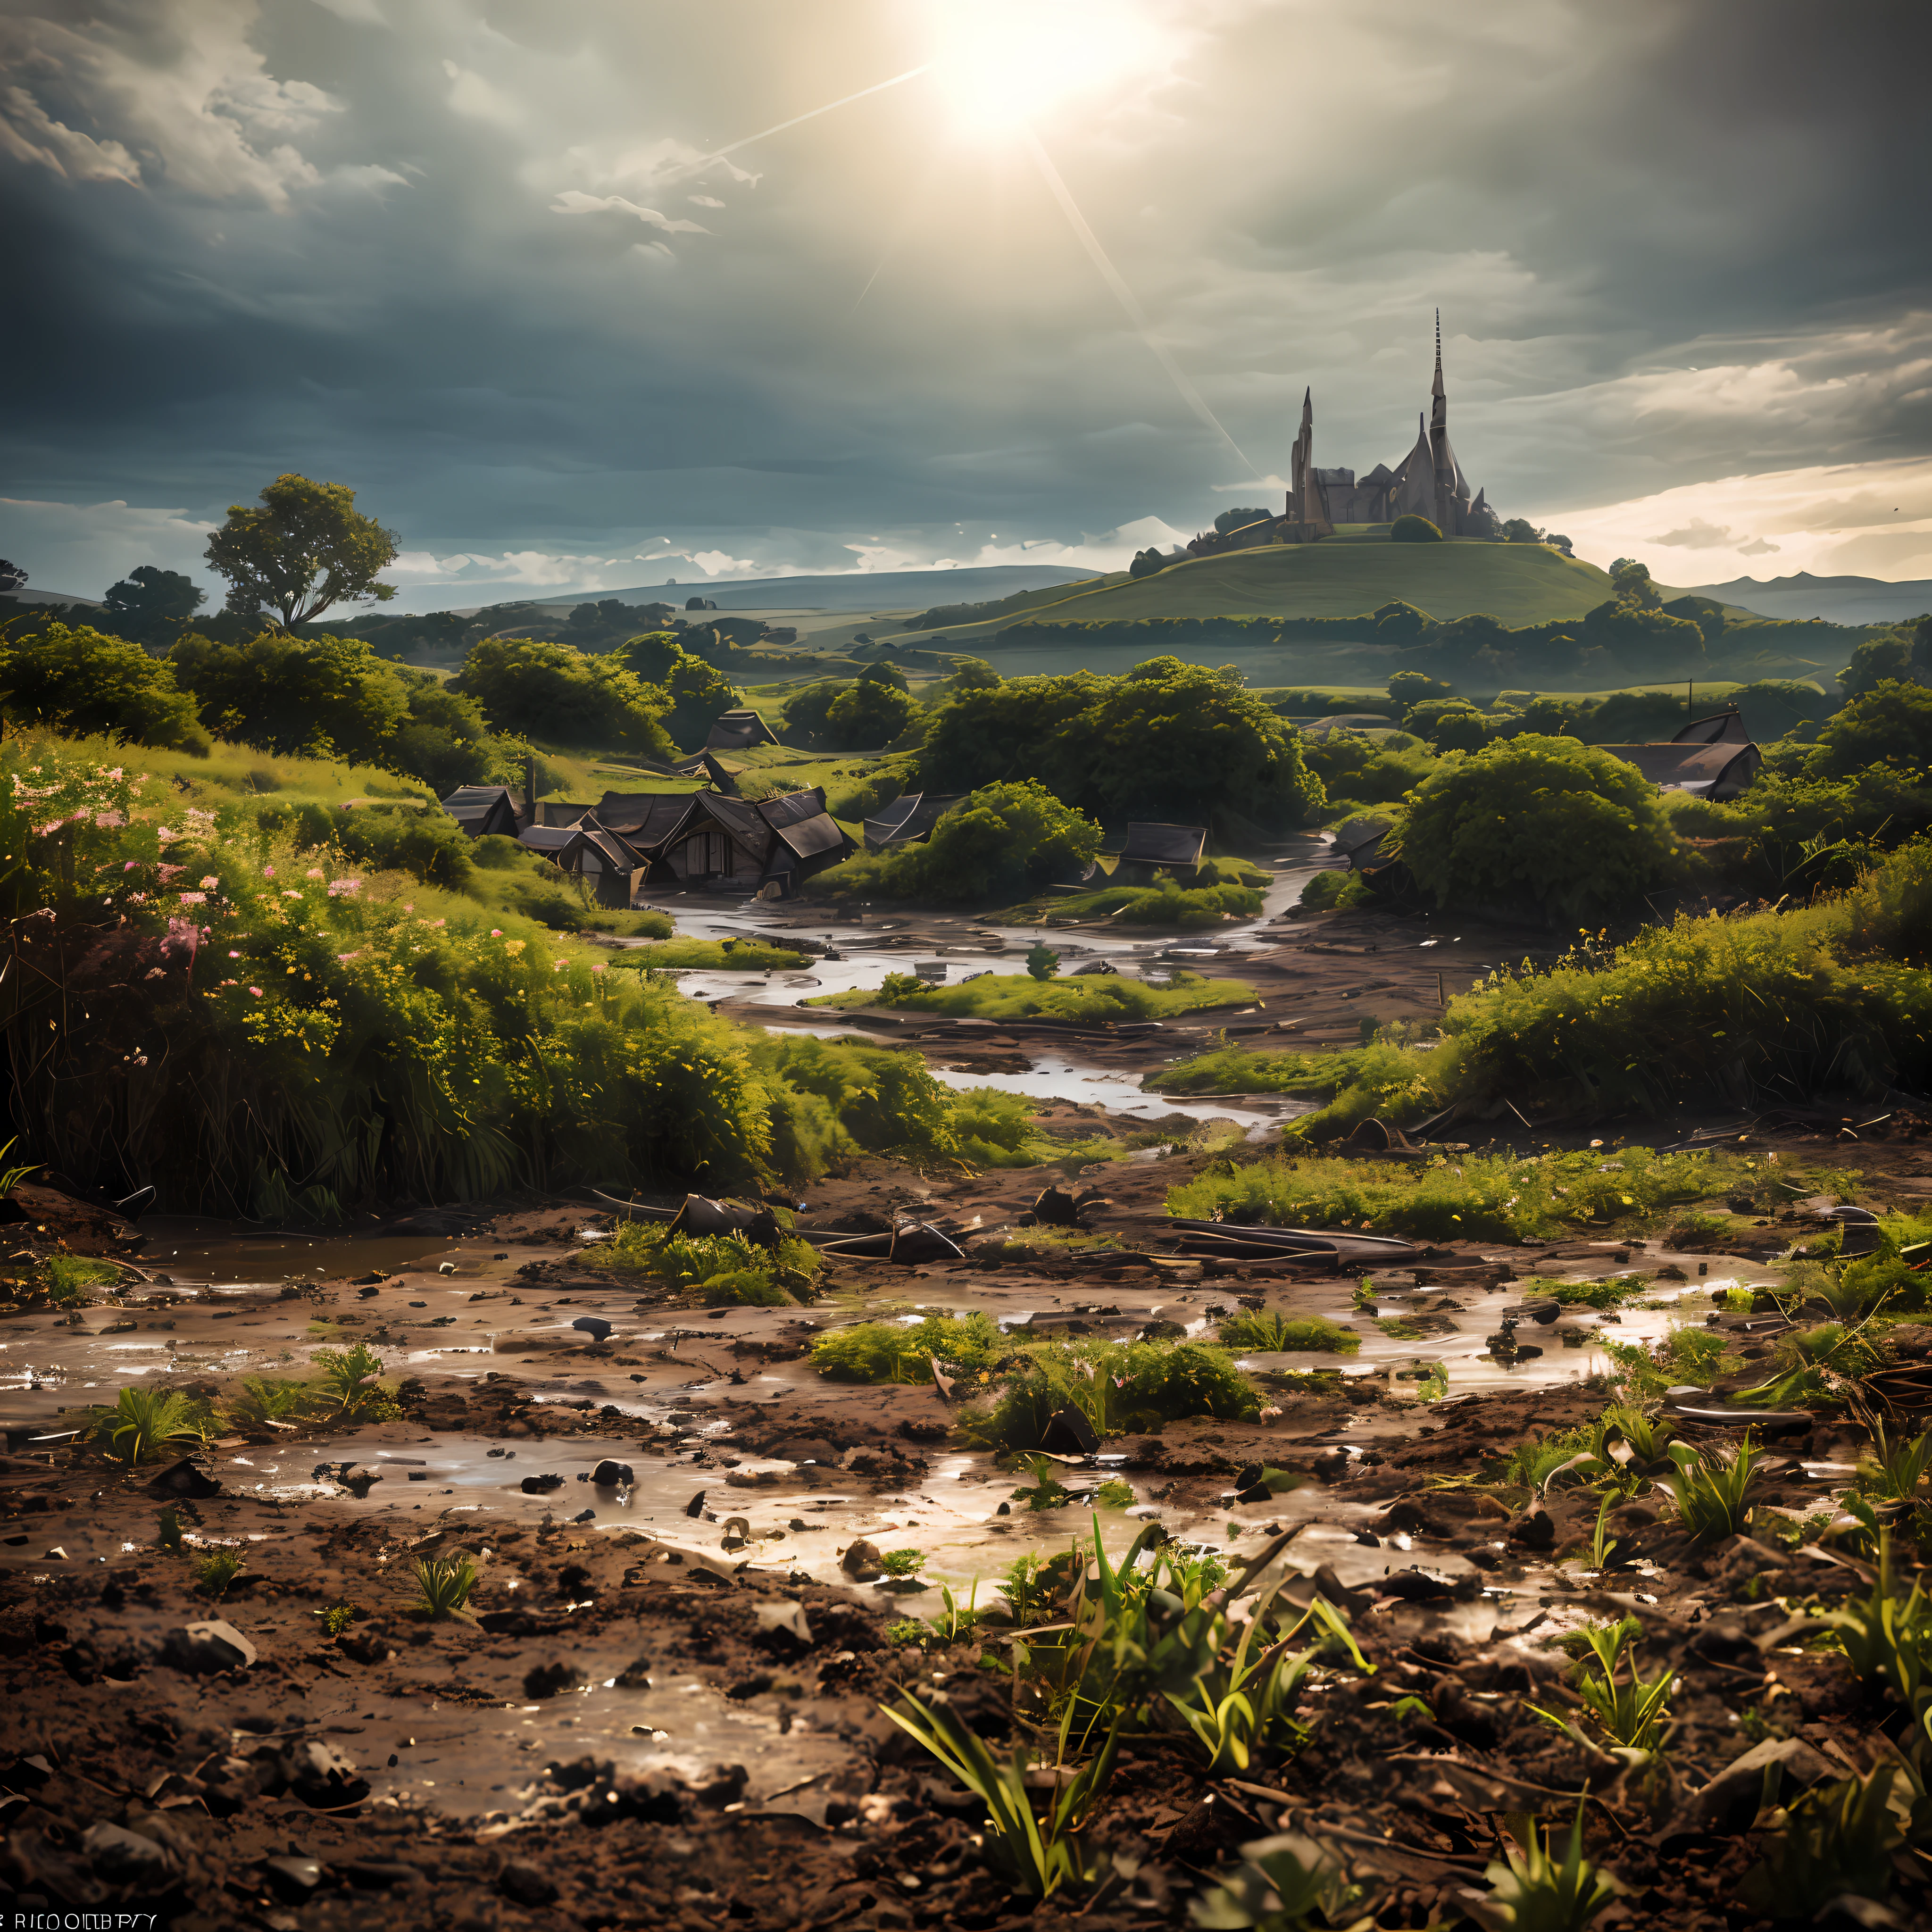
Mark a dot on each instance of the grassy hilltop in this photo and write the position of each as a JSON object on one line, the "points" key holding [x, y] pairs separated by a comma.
{"points": [[1345, 577]]}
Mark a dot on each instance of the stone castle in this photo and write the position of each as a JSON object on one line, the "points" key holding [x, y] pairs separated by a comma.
{"points": [[1427, 482]]}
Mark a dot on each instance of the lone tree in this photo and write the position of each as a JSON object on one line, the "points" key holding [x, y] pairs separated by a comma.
{"points": [[12, 577], [151, 595], [304, 548]]}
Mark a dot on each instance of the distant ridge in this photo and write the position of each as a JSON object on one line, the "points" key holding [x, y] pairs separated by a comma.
{"points": [[1839, 600], [859, 590]]}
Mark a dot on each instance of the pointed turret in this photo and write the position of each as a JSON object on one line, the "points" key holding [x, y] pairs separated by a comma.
{"points": [[1307, 505]]}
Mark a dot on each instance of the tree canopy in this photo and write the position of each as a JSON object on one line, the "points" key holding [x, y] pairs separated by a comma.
{"points": [[868, 715], [303, 548], [1413, 529], [1239, 519], [1005, 842], [300, 697], [1168, 741], [83, 681], [1537, 821], [149, 595], [1890, 724], [557, 692]]}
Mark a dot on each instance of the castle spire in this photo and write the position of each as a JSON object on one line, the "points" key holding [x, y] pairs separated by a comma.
{"points": [[1437, 390]]}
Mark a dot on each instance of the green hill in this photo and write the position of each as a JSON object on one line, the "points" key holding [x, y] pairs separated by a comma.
{"points": [[1344, 577]]}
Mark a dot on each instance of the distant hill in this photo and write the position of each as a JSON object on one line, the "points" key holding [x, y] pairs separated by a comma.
{"points": [[1518, 583], [1841, 600], [861, 590]]}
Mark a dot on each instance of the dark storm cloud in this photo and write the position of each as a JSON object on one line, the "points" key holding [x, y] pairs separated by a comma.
{"points": [[463, 258]]}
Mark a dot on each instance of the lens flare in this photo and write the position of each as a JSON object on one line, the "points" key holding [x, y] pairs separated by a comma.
{"points": [[1002, 65]]}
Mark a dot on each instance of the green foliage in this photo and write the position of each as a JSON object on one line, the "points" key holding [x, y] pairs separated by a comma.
{"points": [[1003, 843], [303, 546], [70, 1277], [1042, 961], [902, 1562], [1713, 1488], [714, 1270], [1881, 660], [1118, 1386], [1164, 903], [443, 1584], [1358, 771], [1267, 1330], [1837, 1843], [1481, 1197], [564, 695], [349, 1381], [1890, 724], [1532, 1890], [336, 1618], [1326, 892], [1630, 1712], [1896, 1472], [698, 691], [1094, 999], [892, 1351], [214, 1572], [1037, 1854], [145, 1423], [168, 1533], [1412, 687], [149, 602], [268, 1398], [1539, 821], [82, 682], [1413, 529], [1169, 742], [1887, 1640], [868, 715]]}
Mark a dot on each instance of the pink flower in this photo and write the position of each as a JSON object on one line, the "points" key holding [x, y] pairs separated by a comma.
{"points": [[232, 954], [110, 819], [165, 873], [267, 872], [314, 872], [291, 893], [557, 965], [194, 898], [495, 932], [408, 905], [208, 885], [127, 866], [345, 957], [167, 836], [336, 887], [256, 990], [598, 968]]}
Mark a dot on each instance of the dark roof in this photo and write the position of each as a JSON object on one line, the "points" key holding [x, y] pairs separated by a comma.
{"points": [[550, 838], [808, 837], [792, 807], [474, 806], [738, 816], [908, 819], [560, 812], [645, 818], [738, 730], [1722, 769], [559, 842], [1722, 727], [1164, 844]]}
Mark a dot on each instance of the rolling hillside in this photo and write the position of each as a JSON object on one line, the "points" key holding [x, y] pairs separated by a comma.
{"points": [[1519, 583]]}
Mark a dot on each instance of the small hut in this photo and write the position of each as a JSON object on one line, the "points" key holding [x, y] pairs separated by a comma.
{"points": [[908, 820], [1151, 853], [740, 731]]}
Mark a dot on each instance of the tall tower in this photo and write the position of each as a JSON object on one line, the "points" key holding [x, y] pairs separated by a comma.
{"points": [[1307, 501], [1442, 459]]}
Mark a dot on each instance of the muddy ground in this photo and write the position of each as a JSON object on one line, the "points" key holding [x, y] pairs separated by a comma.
{"points": [[666, 1711]]}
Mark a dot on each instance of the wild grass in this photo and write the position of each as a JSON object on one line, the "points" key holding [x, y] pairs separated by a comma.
{"points": [[1713, 1489], [1531, 1889], [710, 1270], [1630, 1711], [889, 1351], [1285, 1883], [443, 1585], [145, 1423], [349, 1384], [70, 1277], [214, 1572], [336, 1618], [727, 955], [1482, 1197], [1269, 1330], [1092, 999], [1771, 1005], [1118, 1386], [1168, 904], [1838, 1845]]}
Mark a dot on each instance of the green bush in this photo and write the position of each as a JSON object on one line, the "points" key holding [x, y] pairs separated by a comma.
{"points": [[85, 683], [1002, 843], [569, 697], [1413, 529], [1268, 1331], [1330, 890], [1118, 1386], [1537, 821], [1164, 903], [1890, 724], [1096, 999], [893, 1351]]}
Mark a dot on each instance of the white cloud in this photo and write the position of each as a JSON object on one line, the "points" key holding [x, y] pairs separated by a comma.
{"points": [[704, 201], [208, 117], [1863, 519], [471, 95], [574, 201], [81, 548]]}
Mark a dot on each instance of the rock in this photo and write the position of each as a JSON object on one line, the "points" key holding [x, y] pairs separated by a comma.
{"points": [[695, 1507], [1770, 1773], [184, 1478], [202, 1649], [862, 1561], [1068, 1433], [547, 1679], [790, 1618], [1056, 1208], [585, 1515], [364, 1646], [379, 1874], [293, 1878], [122, 1857], [540, 1485], [595, 1326], [525, 1884], [608, 1475], [320, 1776]]}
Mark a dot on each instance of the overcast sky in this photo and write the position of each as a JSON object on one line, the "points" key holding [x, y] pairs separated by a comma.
{"points": [[1055, 294]]}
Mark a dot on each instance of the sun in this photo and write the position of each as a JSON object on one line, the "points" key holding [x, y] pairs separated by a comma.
{"points": [[1006, 64]]}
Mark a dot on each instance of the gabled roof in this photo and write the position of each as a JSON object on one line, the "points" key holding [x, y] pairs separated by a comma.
{"points": [[738, 816], [1164, 844], [808, 837], [645, 819], [908, 818], [560, 841], [792, 807], [549, 839], [1722, 727], [739, 731], [474, 806], [1725, 767]]}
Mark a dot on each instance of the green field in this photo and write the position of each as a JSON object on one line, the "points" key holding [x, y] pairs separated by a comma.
{"points": [[1519, 583]]}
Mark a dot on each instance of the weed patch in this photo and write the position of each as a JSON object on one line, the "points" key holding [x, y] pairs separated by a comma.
{"points": [[890, 1351], [712, 1271], [1093, 999], [1118, 1386], [1268, 1331]]}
